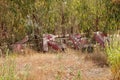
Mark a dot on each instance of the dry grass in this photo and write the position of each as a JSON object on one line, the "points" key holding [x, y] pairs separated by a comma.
{"points": [[60, 66], [98, 57]]}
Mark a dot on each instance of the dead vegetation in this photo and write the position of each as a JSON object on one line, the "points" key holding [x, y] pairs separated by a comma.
{"points": [[71, 65], [98, 57]]}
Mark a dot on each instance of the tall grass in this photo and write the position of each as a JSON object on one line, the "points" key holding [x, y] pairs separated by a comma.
{"points": [[9, 71], [113, 53]]}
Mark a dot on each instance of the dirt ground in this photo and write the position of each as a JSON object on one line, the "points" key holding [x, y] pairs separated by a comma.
{"points": [[62, 66]]}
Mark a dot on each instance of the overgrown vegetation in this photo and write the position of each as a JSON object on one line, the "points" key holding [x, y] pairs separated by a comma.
{"points": [[19, 18], [35, 17], [113, 53], [9, 71]]}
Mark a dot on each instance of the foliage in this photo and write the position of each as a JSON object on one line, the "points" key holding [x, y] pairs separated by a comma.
{"points": [[113, 53], [13, 15], [35, 17]]}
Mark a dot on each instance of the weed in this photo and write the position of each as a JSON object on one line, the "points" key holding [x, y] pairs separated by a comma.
{"points": [[78, 76], [58, 77]]}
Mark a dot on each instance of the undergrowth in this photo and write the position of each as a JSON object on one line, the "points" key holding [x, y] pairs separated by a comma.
{"points": [[8, 69], [113, 53]]}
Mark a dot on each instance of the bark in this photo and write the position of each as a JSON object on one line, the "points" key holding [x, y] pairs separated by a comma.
{"points": [[96, 23]]}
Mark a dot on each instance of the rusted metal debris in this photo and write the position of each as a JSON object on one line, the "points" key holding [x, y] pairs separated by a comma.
{"points": [[59, 42], [49, 40], [20, 45], [76, 41]]}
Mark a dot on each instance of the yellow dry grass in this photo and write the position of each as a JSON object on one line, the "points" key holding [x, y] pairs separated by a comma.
{"points": [[71, 65]]}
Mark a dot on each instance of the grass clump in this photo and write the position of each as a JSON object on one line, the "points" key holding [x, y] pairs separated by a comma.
{"points": [[113, 53], [9, 71]]}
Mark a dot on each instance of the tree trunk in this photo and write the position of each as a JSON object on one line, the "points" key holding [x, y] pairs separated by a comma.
{"points": [[96, 23]]}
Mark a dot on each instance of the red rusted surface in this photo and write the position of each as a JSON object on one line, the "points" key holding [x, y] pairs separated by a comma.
{"points": [[49, 40], [78, 41], [100, 38], [54, 45]]}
